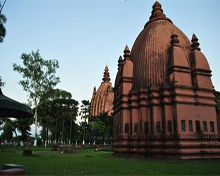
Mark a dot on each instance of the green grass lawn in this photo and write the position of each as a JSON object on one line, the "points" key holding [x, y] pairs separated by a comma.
{"points": [[87, 162]]}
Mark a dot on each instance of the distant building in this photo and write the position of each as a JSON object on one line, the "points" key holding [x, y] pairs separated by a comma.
{"points": [[164, 103], [102, 99]]}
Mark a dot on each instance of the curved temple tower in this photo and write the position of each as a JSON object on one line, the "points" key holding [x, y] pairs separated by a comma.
{"points": [[164, 103], [102, 99]]}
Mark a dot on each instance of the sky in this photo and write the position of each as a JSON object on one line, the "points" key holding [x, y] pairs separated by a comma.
{"points": [[86, 35]]}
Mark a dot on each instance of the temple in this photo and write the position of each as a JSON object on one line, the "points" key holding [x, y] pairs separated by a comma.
{"points": [[164, 102], [102, 99]]}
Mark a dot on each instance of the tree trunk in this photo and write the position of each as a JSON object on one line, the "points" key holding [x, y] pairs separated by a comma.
{"points": [[16, 136], [35, 116], [62, 130], [46, 137], [56, 131], [71, 125]]}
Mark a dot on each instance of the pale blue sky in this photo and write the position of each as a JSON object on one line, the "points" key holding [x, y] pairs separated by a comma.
{"points": [[84, 36]]}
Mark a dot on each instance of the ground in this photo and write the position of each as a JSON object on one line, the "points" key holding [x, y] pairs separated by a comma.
{"points": [[44, 161]]}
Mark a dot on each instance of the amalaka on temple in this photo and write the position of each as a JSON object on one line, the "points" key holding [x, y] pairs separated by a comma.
{"points": [[102, 99], [164, 102]]}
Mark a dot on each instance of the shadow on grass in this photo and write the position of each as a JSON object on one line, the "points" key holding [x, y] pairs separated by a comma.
{"points": [[160, 160]]}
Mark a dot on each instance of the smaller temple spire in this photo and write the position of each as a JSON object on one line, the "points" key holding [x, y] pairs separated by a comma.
{"points": [[94, 90], [195, 43], [126, 52], [106, 77], [174, 40], [120, 63]]}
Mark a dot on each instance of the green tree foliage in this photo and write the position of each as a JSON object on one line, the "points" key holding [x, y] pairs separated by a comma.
{"points": [[38, 79], [85, 114], [102, 128], [85, 110], [66, 111], [8, 129], [23, 125], [10, 126], [3, 20], [57, 116], [2, 84], [77, 133]]}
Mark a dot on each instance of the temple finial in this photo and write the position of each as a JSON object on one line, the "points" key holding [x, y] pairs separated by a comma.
{"points": [[157, 14], [120, 63], [174, 40], [157, 11], [126, 52], [106, 77], [94, 90], [195, 43]]}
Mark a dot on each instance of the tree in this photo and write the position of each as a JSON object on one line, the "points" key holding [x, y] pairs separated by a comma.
{"points": [[8, 129], [2, 120], [85, 109], [103, 127], [38, 79], [3, 20], [58, 115], [23, 125], [66, 111], [2, 84], [85, 114]]}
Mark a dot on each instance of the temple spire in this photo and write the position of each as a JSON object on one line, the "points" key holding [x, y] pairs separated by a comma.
{"points": [[94, 90], [126, 52], [195, 43], [157, 13], [174, 40], [120, 63], [106, 77]]}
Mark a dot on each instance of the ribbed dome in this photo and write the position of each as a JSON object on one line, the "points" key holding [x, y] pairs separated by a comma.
{"points": [[102, 99], [150, 51]]}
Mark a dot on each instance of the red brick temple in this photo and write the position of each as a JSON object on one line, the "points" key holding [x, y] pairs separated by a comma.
{"points": [[164, 103], [102, 99]]}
